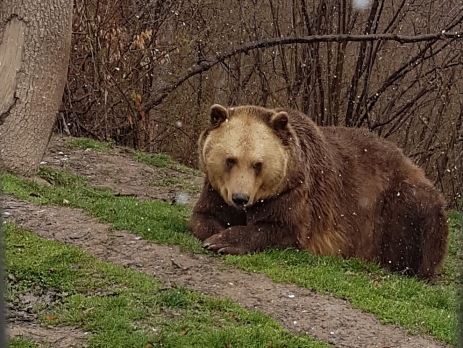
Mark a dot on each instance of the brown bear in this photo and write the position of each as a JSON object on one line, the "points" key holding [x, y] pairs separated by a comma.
{"points": [[275, 179]]}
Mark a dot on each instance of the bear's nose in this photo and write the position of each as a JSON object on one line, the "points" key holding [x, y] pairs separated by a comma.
{"points": [[240, 198]]}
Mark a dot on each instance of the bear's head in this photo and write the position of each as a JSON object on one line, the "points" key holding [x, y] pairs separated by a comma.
{"points": [[244, 153]]}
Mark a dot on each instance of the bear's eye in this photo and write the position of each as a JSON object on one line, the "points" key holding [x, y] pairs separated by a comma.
{"points": [[230, 162], [257, 167]]}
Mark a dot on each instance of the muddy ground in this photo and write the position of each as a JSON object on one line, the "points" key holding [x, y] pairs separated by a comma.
{"points": [[300, 310]]}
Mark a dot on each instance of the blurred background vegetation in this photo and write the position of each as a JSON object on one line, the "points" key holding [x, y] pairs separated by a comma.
{"points": [[141, 74]]}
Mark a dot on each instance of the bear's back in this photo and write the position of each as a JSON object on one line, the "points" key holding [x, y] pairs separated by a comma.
{"points": [[372, 156]]}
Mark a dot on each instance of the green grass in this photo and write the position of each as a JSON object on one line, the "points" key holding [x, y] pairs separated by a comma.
{"points": [[156, 160], [22, 343], [87, 143], [152, 220], [419, 307], [124, 308], [160, 160], [176, 182]]}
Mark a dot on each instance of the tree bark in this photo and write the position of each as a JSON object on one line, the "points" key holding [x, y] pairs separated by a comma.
{"points": [[35, 41]]}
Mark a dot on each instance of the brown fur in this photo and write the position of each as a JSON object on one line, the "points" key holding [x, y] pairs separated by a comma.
{"points": [[329, 190]]}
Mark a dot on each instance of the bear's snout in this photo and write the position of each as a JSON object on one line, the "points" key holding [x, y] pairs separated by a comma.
{"points": [[240, 199]]}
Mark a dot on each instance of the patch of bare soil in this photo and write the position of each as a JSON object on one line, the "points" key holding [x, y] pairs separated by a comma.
{"points": [[118, 171], [298, 309], [56, 337], [22, 316]]}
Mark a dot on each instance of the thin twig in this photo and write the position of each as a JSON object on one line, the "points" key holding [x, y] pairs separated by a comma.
{"points": [[206, 64]]}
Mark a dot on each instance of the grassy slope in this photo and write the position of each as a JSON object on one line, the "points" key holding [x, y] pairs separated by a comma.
{"points": [[125, 308], [419, 307], [22, 343]]}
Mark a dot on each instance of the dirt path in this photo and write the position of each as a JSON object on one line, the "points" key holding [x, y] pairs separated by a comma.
{"points": [[57, 337], [298, 309]]}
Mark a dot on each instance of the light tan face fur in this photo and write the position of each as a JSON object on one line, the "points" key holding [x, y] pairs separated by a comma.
{"points": [[244, 156]]}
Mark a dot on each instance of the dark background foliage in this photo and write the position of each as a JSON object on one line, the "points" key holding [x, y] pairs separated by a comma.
{"points": [[141, 73]]}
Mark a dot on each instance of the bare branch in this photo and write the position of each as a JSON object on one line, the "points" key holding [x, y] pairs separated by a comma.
{"points": [[206, 64]]}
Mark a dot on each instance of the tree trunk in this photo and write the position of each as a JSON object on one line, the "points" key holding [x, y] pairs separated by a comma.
{"points": [[35, 40]]}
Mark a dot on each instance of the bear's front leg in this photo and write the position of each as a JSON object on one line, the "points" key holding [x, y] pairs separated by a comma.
{"points": [[248, 239], [204, 225], [211, 214]]}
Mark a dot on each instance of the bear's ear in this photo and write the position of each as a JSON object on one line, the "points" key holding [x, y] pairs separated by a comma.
{"points": [[218, 115], [279, 121]]}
